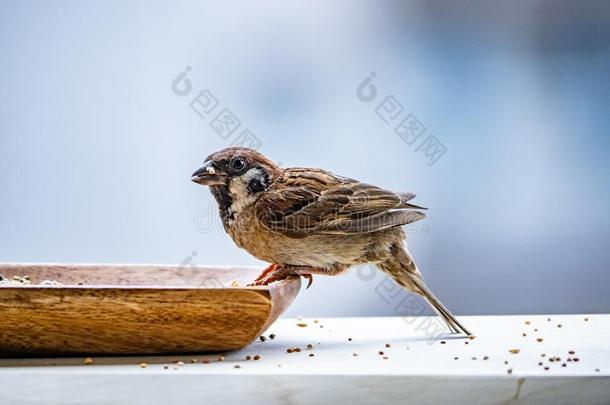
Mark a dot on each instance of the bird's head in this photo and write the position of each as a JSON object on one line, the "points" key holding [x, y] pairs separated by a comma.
{"points": [[236, 169]]}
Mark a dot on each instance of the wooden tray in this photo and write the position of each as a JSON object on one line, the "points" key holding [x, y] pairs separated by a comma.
{"points": [[135, 309]]}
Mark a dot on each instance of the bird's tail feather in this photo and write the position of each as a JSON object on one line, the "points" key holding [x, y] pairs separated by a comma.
{"points": [[439, 308], [403, 270]]}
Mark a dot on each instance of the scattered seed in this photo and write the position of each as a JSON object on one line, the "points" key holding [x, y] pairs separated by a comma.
{"points": [[25, 280], [571, 352], [349, 339], [311, 354], [597, 370], [237, 366], [388, 345], [524, 334], [385, 357], [88, 360], [321, 326], [546, 368], [509, 371], [559, 325], [380, 353], [455, 358], [539, 339], [575, 359], [535, 330], [465, 343], [540, 363], [514, 351], [290, 350], [505, 362], [256, 357], [586, 319], [301, 324], [279, 365], [564, 365], [542, 355], [471, 337], [165, 366], [355, 354], [486, 358], [548, 319], [443, 342], [527, 322], [262, 338], [272, 336], [143, 365], [310, 346], [474, 358], [248, 357], [297, 349]]}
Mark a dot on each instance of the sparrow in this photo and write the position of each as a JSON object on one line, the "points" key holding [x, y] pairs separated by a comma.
{"points": [[306, 221]]}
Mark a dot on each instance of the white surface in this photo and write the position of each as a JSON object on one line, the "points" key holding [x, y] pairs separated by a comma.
{"points": [[418, 367]]}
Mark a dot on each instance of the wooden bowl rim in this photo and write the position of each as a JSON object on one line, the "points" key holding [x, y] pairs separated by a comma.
{"points": [[168, 286]]}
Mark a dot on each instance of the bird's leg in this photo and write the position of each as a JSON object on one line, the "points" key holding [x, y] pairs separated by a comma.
{"points": [[280, 272], [275, 272], [265, 272]]}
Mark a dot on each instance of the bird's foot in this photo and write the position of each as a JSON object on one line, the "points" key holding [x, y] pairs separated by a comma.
{"points": [[271, 268], [275, 272]]}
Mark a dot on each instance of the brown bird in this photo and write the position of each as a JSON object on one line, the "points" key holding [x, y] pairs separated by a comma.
{"points": [[309, 221]]}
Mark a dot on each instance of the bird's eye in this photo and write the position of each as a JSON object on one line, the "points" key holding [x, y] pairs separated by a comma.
{"points": [[238, 164]]}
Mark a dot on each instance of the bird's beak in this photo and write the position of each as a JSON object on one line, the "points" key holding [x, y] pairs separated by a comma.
{"points": [[208, 175]]}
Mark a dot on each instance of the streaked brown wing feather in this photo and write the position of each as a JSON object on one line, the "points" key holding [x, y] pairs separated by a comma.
{"points": [[372, 223], [312, 201]]}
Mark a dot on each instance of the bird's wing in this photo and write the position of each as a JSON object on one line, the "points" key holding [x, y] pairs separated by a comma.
{"points": [[304, 202]]}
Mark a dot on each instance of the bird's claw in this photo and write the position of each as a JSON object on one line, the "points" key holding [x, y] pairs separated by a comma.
{"points": [[309, 278], [276, 272], [271, 268]]}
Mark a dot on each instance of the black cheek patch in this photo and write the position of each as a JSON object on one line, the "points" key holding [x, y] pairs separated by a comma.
{"points": [[256, 186], [259, 183]]}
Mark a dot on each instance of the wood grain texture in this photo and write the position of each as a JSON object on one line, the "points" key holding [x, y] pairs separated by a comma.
{"points": [[135, 309]]}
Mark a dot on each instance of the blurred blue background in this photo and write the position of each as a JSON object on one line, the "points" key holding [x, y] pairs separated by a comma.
{"points": [[96, 149]]}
